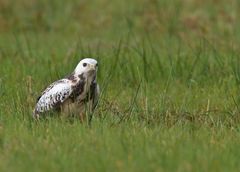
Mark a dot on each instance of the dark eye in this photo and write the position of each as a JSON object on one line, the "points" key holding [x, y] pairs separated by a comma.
{"points": [[96, 65], [84, 64]]}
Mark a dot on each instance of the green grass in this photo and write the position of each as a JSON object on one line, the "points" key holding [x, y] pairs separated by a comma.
{"points": [[169, 74]]}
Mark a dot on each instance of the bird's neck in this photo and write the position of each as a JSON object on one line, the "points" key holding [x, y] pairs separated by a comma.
{"points": [[82, 77]]}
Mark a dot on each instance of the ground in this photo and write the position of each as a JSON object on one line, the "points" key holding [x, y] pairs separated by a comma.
{"points": [[169, 76]]}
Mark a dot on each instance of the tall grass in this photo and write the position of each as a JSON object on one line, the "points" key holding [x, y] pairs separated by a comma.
{"points": [[169, 77]]}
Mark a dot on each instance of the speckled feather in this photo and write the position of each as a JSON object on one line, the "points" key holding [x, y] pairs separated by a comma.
{"points": [[54, 95]]}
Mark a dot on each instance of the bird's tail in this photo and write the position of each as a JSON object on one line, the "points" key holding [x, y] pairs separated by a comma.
{"points": [[35, 114]]}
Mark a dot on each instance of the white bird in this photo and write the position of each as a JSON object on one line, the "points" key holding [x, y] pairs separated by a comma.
{"points": [[70, 94]]}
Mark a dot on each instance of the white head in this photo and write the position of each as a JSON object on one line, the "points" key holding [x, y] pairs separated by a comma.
{"points": [[86, 66]]}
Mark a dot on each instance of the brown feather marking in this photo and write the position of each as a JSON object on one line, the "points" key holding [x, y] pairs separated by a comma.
{"points": [[72, 77], [49, 88], [78, 88]]}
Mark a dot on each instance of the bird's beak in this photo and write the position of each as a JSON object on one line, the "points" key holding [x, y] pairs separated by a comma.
{"points": [[92, 67]]}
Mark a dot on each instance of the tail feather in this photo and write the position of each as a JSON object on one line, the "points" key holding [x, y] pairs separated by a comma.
{"points": [[35, 114]]}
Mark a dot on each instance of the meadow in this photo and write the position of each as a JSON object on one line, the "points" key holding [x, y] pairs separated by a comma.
{"points": [[169, 76]]}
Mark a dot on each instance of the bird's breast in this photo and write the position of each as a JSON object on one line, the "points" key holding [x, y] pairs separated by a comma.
{"points": [[81, 89]]}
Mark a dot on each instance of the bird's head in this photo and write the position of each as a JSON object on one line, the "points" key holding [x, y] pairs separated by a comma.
{"points": [[87, 66]]}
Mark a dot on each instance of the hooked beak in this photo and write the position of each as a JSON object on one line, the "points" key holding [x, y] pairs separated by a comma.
{"points": [[92, 67]]}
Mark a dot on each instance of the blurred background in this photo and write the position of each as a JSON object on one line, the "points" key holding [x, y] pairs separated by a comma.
{"points": [[106, 21]]}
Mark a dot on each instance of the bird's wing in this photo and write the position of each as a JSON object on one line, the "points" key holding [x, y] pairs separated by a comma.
{"points": [[95, 97], [54, 95], [94, 94]]}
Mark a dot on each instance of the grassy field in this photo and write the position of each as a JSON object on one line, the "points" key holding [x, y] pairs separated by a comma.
{"points": [[169, 72]]}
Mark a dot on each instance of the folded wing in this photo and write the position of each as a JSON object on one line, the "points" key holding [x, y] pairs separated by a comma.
{"points": [[53, 96]]}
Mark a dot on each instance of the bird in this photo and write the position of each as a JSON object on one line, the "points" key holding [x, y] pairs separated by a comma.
{"points": [[71, 94]]}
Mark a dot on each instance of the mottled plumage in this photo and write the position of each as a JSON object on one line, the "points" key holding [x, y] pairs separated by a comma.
{"points": [[71, 94]]}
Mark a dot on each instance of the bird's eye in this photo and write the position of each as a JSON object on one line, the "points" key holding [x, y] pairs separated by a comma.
{"points": [[84, 64]]}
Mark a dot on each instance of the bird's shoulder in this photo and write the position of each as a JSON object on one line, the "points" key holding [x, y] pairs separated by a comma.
{"points": [[57, 86]]}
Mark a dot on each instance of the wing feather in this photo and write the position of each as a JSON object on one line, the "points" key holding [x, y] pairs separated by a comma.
{"points": [[94, 94], [54, 95], [95, 97]]}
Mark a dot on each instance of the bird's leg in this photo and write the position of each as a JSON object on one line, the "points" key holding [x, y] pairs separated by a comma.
{"points": [[82, 116], [68, 109], [80, 111], [90, 111]]}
